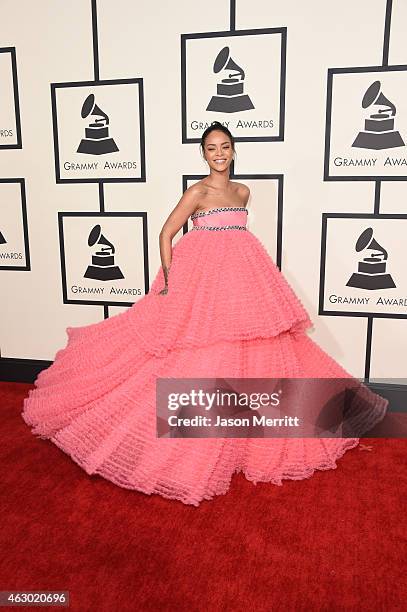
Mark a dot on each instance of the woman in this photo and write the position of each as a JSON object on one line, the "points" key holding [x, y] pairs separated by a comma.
{"points": [[218, 308]]}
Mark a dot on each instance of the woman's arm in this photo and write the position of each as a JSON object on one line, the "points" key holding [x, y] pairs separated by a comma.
{"points": [[183, 210]]}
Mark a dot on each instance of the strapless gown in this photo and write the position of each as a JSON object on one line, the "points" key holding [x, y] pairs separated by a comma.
{"points": [[229, 312]]}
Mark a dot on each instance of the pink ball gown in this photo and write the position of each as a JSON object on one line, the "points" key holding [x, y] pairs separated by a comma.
{"points": [[229, 312]]}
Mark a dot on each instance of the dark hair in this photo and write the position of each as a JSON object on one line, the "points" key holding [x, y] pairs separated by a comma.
{"points": [[216, 125]]}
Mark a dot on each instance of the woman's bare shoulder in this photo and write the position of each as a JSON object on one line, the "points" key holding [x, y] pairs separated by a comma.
{"points": [[242, 187], [196, 189], [243, 191]]}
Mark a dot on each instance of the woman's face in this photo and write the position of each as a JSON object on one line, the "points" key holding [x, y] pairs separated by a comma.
{"points": [[218, 151]]}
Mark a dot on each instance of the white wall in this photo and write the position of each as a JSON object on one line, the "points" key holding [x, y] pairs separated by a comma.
{"points": [[53, 41]]}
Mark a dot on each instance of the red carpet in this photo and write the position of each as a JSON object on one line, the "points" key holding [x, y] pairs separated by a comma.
{"points": [[336, 541]]}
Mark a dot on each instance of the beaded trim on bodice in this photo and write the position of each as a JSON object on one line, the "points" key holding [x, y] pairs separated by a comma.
{"points": [[215, 210], [220, 227]]}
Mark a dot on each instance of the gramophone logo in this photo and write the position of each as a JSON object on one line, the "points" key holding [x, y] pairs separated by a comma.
{"points": [[371, 272], [103, 267], [229, 91], [379, 132], [2, 239], [97, 140]]}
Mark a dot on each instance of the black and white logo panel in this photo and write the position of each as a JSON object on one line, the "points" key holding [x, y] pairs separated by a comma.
{"points": [[237, 78], [363, 269], [366, 132], [99, 131], [10, 129], [14, 244], [104, 257]]}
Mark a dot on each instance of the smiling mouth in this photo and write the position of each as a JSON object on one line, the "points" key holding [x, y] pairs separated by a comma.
{"points": [[219, 161]]}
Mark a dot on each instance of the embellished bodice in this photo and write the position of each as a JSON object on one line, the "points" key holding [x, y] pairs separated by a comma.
{"points": [[221, 218]]}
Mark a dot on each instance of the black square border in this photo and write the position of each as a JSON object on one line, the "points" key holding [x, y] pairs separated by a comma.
{"points": [[354, 70], [19, 143], [95, 214], [54, 86], [23, 200], [251, 32], [335, 313]]}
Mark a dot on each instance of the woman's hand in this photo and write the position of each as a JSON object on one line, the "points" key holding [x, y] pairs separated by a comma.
{"points": [[163, 291]]}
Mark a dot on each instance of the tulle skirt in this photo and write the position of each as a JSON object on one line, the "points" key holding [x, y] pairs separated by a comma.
{"points": [[229, 312]]}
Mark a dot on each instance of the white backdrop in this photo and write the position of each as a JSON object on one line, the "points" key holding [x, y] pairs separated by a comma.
{"points": [[137, 45]]}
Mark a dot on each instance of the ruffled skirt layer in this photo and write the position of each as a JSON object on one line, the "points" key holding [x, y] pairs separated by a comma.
{"points": [[230, 313]]}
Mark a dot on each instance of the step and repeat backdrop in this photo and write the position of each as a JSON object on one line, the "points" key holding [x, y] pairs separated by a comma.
{"points": [[102, 107]]}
